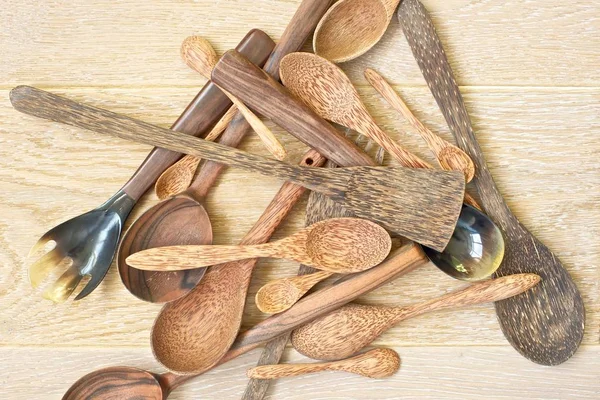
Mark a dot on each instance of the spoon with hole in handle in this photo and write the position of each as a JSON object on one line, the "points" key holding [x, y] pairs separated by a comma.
{"points": [[350, 28], [348, 329], [449, 156], [377, 363], [199, 55], [339, 245]]}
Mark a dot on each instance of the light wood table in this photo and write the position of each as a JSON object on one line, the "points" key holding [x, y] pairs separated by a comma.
{"points": [[529, 73]]}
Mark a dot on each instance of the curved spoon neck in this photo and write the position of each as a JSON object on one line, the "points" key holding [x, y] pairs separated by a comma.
{"points": [[170, 381]]}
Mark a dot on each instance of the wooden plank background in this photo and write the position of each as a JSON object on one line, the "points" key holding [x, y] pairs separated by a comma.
{"points": [[529, 73]]}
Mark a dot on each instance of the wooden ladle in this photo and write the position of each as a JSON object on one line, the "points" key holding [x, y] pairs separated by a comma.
{"points": [[199, 55], [328, 91], [348, 329], [341, 245], [351, 27], [376, 363]]}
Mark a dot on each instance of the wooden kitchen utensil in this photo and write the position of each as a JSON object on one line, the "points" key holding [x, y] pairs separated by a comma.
{"points": [[351, 27], [376, 363], [449, 156], [199, 55], [327, 89], [339, 245], [179, 176], [419, 204], [545, 325], [91, 239], [126, 383], [348, 329]]}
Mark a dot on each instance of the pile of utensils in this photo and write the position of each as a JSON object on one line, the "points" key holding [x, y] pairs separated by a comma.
{"points": [[356, 211]]}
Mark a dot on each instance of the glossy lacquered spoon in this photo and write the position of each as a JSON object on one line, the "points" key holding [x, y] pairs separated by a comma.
{"points": [[199, 55], [340, 245], [179, 176], [351, 27], [348, 329], [376, 363], [448, 155]]}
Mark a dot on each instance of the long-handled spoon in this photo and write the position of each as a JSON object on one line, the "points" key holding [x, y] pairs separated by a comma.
{"points": [[339, 245], [327, 89], [348, 329], [376, 363], [351, 27], [179, 176], [448, 155], [199, 55], [547, 324]]}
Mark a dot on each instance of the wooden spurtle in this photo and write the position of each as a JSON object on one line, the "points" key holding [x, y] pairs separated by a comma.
{"points": [[376, 363], [546, 324], [421, 205], [348, 329], [339, 245]]}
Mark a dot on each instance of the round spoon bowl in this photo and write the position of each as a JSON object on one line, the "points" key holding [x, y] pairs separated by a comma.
{"points": [[125, 383], [180, 220], [334, 244], [475, 250], [349, 29], [277, 296]]}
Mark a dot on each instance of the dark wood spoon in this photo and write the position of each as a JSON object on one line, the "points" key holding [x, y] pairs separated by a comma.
{"points": [[182, 219], [545, 324]]}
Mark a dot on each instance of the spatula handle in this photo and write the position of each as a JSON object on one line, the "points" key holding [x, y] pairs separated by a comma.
{"points": [[259, 91]]}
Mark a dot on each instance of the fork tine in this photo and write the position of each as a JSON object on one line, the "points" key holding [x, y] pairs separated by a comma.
{"points": [[39, 270], [64, 286], [90, 286], [43, 241]]}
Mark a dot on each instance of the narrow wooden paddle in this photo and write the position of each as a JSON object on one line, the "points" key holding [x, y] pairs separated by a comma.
{"points": [[545, 324], [421, 205]]}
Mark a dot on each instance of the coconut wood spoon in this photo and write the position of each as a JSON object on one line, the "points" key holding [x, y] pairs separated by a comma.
{"points": [[348, 329], [376, 363], [339, 245], [199, 55], [351, 27], [326, 88], [449, 156], [179, 176]]}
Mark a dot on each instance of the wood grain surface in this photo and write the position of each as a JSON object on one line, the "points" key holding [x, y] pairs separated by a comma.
{"points": [[528, 73]]}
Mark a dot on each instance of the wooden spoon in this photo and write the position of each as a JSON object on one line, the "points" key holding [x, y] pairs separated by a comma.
{"points": [[547, 324], [376, 363], [449, 156], [179, 176], [351, 27], [339, 245], [199, 55], [327, 89], [348, 329]]}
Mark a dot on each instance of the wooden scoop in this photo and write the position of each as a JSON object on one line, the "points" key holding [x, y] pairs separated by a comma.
{"points": [[421, 205], [341, 245], [348, 329], [376, 363], [329, 92], [199, 55]]}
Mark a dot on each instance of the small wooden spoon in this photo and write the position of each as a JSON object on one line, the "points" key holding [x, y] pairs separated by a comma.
{"points": [[376, 363], [342, 245], [449, 156], [351, 27], [348, 329], [179, 176], [199, 55], [326, 88]]}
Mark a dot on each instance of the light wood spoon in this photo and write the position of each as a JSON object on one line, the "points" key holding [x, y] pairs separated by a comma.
{"points": [[449, 156], [179, 176], [352, 27], [376, 363], [199, 55], [348, 329], [328, 91], [341, 245]]}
